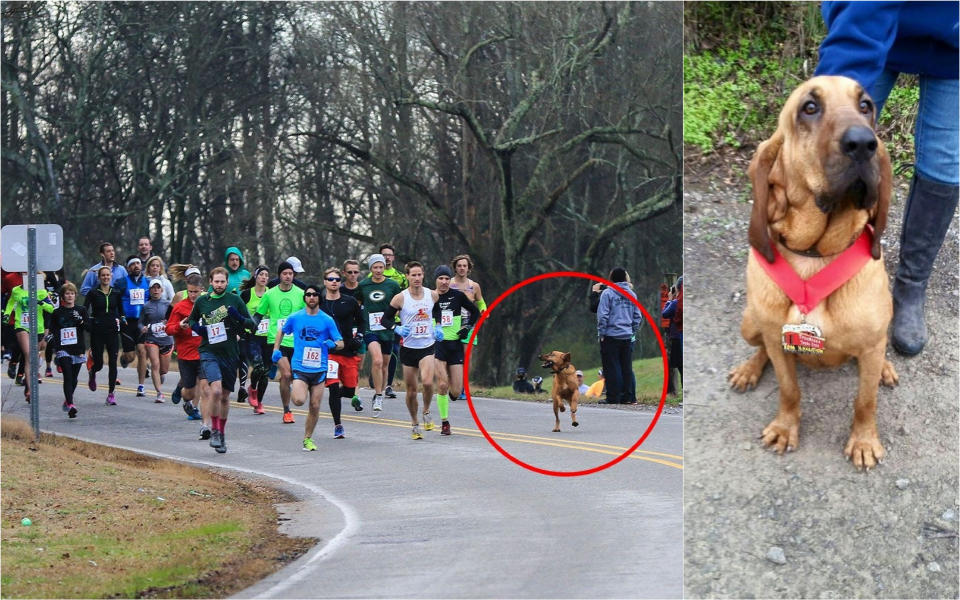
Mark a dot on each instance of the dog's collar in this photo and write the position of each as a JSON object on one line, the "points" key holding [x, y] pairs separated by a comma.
{"points": [[812, 251], [807, 294]]}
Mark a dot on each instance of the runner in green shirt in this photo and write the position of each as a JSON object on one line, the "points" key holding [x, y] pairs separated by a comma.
{"points": [[277, 304], [375, 293]]}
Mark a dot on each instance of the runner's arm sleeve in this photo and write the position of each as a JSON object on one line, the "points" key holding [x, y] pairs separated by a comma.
{"points": [[388, 317], [358, 319]]}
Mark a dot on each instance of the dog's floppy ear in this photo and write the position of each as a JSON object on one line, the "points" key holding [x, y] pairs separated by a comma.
{"points": [[884, 190], [760, 167]]}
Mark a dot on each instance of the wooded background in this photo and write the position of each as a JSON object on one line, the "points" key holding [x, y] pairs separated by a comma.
{"points": [[533, 136]]}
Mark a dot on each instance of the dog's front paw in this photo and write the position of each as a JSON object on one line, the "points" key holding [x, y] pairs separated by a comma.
{"points": [[563, 408], [744, 376], [888, 376], [864, 449], [781, 435]]}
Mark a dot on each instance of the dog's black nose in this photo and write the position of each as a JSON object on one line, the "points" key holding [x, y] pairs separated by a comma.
{"points": [[859, 143]]}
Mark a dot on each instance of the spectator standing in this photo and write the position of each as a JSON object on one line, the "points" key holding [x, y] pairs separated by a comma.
{"points": [[618, 320]]}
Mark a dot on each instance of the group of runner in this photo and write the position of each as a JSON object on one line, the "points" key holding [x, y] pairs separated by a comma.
{"points": [[234, 324]]}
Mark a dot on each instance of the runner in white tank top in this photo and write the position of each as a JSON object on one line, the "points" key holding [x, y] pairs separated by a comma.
{"points": [[415, 305]]}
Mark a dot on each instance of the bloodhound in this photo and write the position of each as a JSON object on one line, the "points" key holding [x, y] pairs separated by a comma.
{"points": [[817, 289], [564, 385]]}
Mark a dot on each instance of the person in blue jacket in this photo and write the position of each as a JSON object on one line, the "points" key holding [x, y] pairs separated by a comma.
{"points": [[873, 42]]}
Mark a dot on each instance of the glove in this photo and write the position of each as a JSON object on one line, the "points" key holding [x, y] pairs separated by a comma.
{"points": [[355, 343], [464, 333], [402, 330], [438, 334], [330, 344], [48, 338], [276, 356], [234, 314]]}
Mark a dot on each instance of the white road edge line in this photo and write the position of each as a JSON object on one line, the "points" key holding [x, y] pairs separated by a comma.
{"points": [[316, 555]]}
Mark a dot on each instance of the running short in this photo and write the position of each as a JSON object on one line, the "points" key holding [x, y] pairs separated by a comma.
{"points": [[311, 379], [217, 368], [411, 357], [130, 334], [385, 346], [449, 351], [165, 349], [189, 370], [348, 370]]}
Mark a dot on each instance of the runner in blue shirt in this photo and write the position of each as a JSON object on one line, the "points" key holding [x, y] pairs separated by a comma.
{"points": [[314, 334]]}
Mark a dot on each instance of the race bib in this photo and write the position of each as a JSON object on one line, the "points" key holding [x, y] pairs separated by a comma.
{"points": [[216, 333], [333, 369], [25, 320], [312, 357], [263, 326], [446, 318], [159, 328], [136, 296], [421, 329], [375, 321], [68, 336], [280, 323]]}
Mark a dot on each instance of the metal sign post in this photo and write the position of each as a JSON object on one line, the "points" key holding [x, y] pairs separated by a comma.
{"points": [[32, 249]]}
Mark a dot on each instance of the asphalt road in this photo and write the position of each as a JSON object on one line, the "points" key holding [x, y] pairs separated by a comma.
{"points": [[441, 517]]}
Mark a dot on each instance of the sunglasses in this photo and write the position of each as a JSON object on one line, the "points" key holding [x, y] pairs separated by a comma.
{"points": [[305, 294], [333, 279]]}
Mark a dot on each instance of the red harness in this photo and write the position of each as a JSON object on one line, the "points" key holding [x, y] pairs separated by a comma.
{"points": [[807, 294]]}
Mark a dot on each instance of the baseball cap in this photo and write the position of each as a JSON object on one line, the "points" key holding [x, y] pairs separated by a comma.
{"points": [[579, 373], [191, 271], [375, 258], [521, 371], [600, 372], [296, 264], [156, 282], [442, 271]]}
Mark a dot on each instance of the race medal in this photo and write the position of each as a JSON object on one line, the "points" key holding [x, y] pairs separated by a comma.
{"points": [[375, 321], [68, 336], [159, 329], [802, 339], [312, 357], [263, 326], [333, 370], [136, 296], [446, 318], [216, 333]]}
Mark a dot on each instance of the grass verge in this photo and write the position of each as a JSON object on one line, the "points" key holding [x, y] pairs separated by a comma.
{"points": [[112, 523], [648, 371]]}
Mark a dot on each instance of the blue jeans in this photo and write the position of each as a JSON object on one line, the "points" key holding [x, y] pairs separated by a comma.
{"points": [[936, 129]]}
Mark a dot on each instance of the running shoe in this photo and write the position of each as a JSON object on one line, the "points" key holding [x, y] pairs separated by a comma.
{"points": [[415, 433], [59, 369], [357, 405], [389, 393], [194, 414], [377, 404], [140, 392], [222, 448], [204, 432], [258, 410], [110, 400], [188, 408], [427, 422], [71, 411], [89, 360], [242, 395], [176, 396], [12, 370], [215, 439], [463, 394], [288, 417], [19, 379], [252, 396], [92, 383], [65, 406], [308, 445], [445, 428], [159, 398], [117, 382], [48, 372], [338, 432]]}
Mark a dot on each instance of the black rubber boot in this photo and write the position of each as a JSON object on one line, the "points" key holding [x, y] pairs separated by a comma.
{"points": [[929, 211]]}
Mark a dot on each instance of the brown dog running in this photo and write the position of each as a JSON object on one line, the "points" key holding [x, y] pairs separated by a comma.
{"points": [[817, 182], [564, 385]]}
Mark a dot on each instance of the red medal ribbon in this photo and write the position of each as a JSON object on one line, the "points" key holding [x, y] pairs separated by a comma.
{"points": [[807, 294]]}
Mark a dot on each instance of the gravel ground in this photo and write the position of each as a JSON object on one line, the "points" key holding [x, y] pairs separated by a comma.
{"points": [[807, 524]]}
